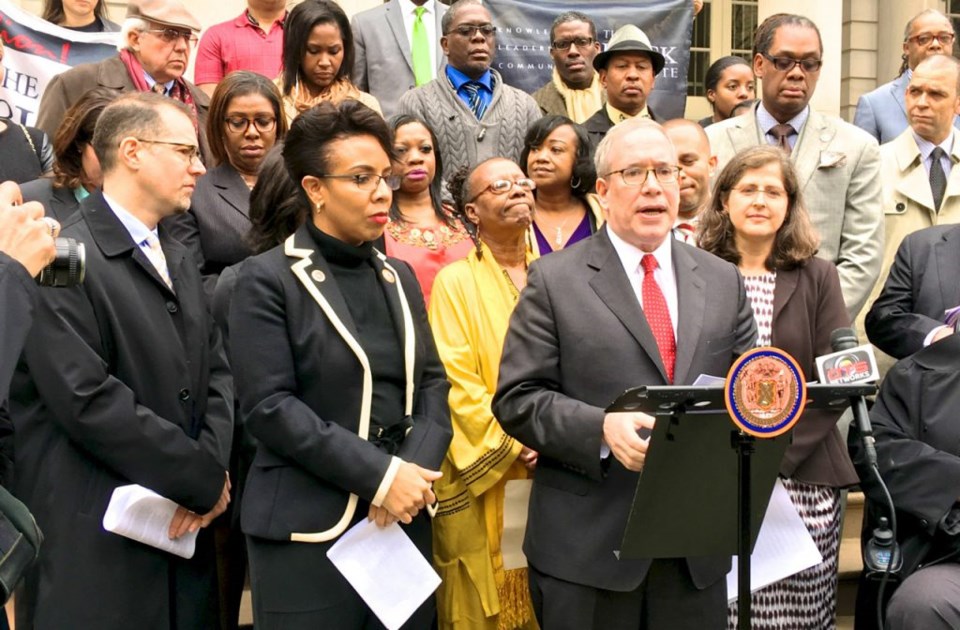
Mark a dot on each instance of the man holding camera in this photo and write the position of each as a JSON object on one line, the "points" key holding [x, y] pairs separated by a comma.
{"points": [[123, 381]]}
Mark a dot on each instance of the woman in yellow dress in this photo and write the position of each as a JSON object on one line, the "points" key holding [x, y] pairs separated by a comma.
{"points": [[469, 311]]}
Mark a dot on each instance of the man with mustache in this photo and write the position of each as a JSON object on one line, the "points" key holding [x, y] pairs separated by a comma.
{"points": [[839, 163], [574, 90], [155, 42], [627, 69], [473, 113]]}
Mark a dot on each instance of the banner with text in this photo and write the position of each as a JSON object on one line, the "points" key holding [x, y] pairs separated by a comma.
{"points": [[35, 51], [523, 41]]}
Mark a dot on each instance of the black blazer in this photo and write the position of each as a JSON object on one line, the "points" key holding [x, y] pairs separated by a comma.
{"points": [[922, 284], [122, 381], [58, 203], [305, 390], [579, 311]]}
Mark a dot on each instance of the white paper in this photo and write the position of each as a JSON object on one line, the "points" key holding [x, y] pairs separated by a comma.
{"points": [[386, 569], [706, 380], [516, 500], [784, 546], [143, 515]]}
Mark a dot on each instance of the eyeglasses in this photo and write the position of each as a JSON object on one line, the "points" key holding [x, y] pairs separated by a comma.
{"points": [[170, 35], [503, 186], [637, 176], [189, 152], [468, 30], [924, 39], [786, 64], [752, 192], [240, 124], [368, 181], [579, 42]]}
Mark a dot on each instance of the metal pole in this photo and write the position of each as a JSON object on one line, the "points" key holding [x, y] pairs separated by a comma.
{"points": [[745, 449]]}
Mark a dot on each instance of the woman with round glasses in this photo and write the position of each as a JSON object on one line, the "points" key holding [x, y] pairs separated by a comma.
{"points": [[246, 119], [729, 81], [471, 306], [557, 156], [338, 379], [318, 55], [758, 222], [422, 231], [85, 16]]}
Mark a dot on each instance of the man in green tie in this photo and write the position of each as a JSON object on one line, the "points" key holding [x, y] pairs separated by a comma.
{"points": [[409, 55]]}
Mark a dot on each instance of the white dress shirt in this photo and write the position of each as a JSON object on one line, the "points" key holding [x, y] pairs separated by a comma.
{"points": [[134, 226], [408, 11]]}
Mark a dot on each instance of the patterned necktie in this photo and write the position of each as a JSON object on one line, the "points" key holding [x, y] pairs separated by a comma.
{"points": [[658, 315], [938, 179], [159, 88], [157, 259], [781, 133], [420, 50], [476, 104], [686, 232]]}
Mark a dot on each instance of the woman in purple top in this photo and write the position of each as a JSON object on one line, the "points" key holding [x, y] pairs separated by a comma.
{"points": [[556, 155]]}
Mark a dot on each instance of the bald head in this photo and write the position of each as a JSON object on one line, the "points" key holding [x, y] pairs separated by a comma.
{"points": [[697, 163], [933, 97]]}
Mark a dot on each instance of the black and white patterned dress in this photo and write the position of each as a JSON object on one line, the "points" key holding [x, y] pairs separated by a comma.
{"points": [[807, 600]]}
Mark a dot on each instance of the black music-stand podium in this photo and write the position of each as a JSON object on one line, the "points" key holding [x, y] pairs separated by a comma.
{"points": [[691, 499]]}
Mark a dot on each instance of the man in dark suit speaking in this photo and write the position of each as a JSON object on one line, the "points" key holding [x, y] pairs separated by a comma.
{"points": [[629, 306]]}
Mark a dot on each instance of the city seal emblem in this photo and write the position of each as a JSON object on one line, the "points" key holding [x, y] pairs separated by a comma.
{"points": [[765, 392]]}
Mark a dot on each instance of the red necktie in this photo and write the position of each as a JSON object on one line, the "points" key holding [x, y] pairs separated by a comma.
{"points": [[686, 232], [658, 315]]}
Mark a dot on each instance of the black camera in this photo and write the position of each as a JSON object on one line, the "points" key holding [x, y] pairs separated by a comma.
{"points": [[68, 267]]}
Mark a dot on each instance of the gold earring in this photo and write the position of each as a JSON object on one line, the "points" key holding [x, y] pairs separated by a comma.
{"points": [[319, 206]]}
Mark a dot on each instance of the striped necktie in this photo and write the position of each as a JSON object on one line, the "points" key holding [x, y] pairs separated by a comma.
{"points": [[938, 179], [157, 259], [476, 104]]}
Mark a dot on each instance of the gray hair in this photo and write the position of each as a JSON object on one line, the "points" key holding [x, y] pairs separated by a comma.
{"points": [[131, 25], [601, 158], [447, 20]]}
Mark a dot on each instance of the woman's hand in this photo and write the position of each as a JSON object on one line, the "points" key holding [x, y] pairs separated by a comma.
{"points": [[529, 457], [410, 491], [381, 516]]}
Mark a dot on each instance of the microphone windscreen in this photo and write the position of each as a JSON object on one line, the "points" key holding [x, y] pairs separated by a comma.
{"points": [[843, 339]]}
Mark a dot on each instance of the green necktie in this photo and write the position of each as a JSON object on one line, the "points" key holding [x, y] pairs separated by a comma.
{"points": [[420, 51]]}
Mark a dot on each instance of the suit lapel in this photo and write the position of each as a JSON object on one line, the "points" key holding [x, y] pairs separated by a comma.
{"points": [[953, 180], [914, 184], [173, 252], [816, 135], [395, 22], [899, 88], [691, 309], [615, 291], [402, 319], [948, 262], [231, 188], [745, 133], [783, 290]]}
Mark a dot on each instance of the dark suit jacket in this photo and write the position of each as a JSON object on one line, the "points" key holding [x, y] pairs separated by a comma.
{"points": [[808, 306], [66, 88], [577, 339], [122, 381], [599, 124], [215, 227], [59, 203], [301, 377], [922, 284]]}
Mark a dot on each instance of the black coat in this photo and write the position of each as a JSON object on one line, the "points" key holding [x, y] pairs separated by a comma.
{"points": [[122, 381], [58, 203]]}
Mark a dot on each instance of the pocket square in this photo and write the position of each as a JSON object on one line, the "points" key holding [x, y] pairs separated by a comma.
{"points": [[832, 159]]}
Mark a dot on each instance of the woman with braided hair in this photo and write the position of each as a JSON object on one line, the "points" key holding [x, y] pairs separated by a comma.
{"points": [[469, 311]]}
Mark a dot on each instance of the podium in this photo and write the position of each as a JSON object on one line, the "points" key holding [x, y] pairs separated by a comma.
{"points": [[705, 484]]}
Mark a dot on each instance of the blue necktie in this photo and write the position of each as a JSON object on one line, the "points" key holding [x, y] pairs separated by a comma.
{"points": [[476, 104]]}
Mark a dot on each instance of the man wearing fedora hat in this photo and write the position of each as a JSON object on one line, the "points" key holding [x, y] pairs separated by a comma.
{"points": [[154, 50], [627, 68]]}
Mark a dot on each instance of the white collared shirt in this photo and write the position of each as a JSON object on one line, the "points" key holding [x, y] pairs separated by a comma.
{"points": [[766, 122], [134, 226], [926, 148], [408, 11], [630, 257]]}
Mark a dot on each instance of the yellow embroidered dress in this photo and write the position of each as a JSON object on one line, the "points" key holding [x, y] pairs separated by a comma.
{"points": [[469, 312]]}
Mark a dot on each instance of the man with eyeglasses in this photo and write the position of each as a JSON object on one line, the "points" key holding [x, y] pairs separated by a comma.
{"points": [[123, 381], [837, 163], [627, 69], [883, 112], [389, 64], [474, 114], [621, 309], [155, 42], [574, 90]]}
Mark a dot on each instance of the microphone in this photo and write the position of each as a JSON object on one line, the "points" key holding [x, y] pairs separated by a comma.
{"points": [[852, 363]]}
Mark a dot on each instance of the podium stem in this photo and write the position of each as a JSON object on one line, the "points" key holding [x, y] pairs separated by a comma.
{"points": [[745, 448]]}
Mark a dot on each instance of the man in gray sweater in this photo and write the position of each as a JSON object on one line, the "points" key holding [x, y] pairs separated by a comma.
{"points": [[473, 113]]}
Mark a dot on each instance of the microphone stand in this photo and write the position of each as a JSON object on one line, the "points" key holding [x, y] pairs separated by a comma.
{"points": [[744, 444]]}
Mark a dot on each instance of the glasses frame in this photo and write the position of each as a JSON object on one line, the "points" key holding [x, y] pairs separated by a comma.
{"points": [[939, 37], [194, 149], [777, 196], [524, 182], [393, 181], [488, 30], [164, 34], [674, 170], [780, 61], [249, 121], [573, 41]]}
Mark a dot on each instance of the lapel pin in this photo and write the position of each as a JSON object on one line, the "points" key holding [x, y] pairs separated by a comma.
{"points": [[388, 276], [318, 276]]}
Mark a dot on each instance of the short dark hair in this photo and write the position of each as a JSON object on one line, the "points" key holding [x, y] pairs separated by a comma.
{"points": [[296, 33], [763, 38], [572, 16], [583, 168], [436, 186], [275, 207], [717, 68], [235, 84], [53, 11], [306, 151], [447, 20], [133, 114], [76, 131], [796, 240]]}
